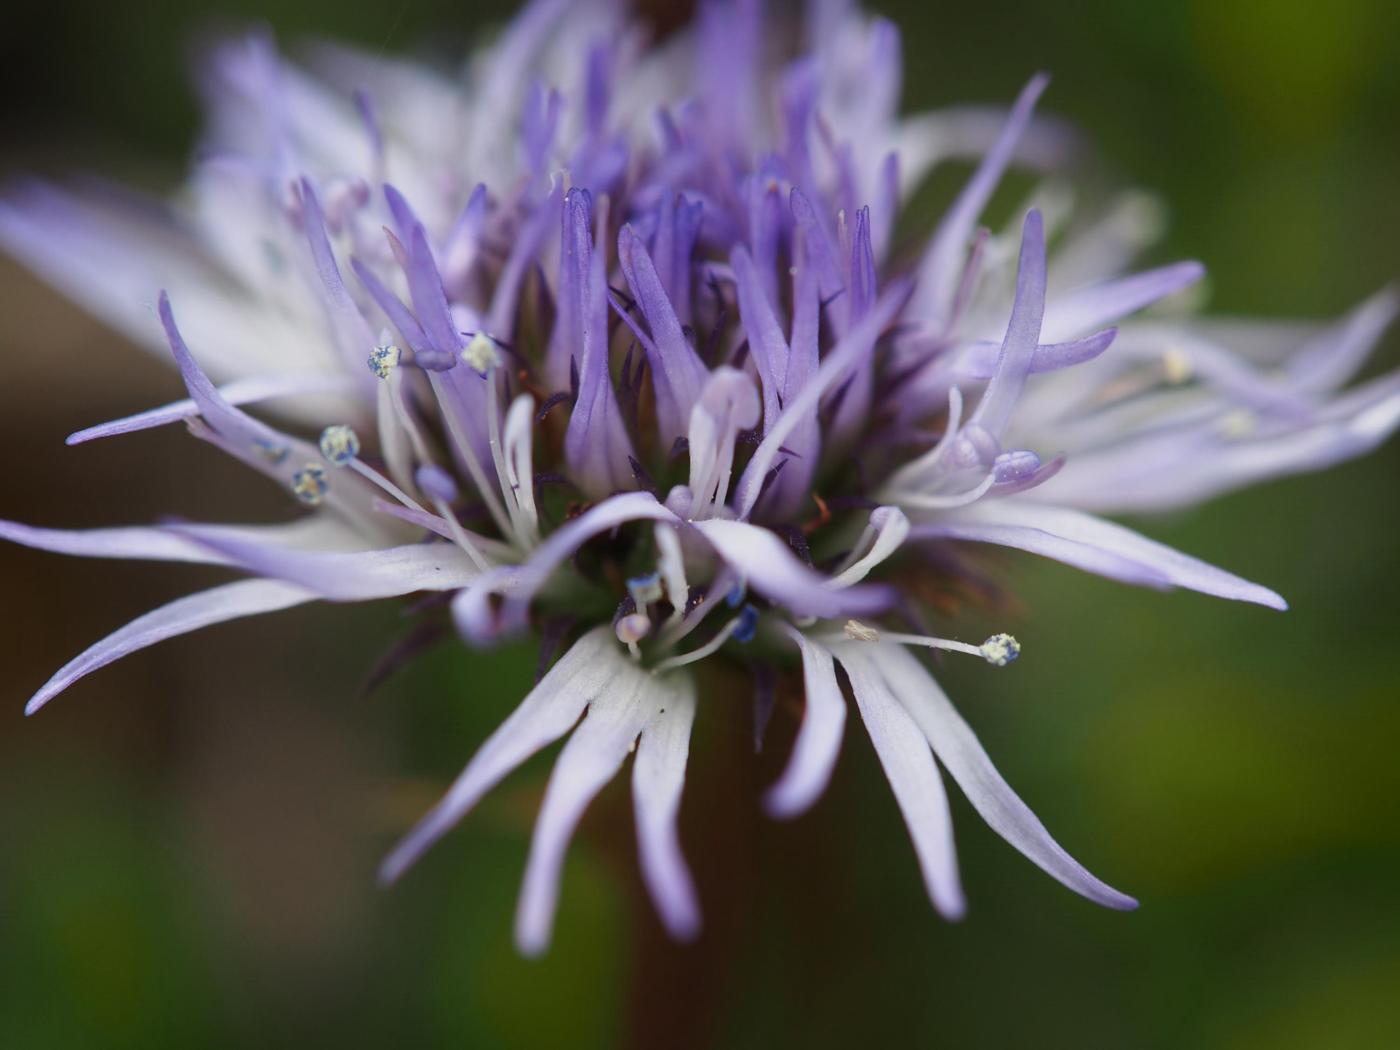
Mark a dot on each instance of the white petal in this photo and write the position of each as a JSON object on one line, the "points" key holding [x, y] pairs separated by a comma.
{"points": [[773, 570], [609, 514], [890, 527], [519, 452], [904, 754], [239, 392], [957, 748], [347, 577], [161, 544], [1077, 313], [818, 738], [657, 777], [593, 754], [1094, 545], [549, 711], [218, 605]]}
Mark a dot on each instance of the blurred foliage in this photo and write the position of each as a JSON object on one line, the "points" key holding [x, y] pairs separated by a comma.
{"points": [[188, 859]]}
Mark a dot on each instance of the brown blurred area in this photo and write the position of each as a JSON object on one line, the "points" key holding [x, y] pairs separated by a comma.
{"points": [[250, 731]]}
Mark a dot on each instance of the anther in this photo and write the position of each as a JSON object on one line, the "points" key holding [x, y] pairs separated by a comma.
{"points": [[1176, 365], [480, 354], [310, 484], [859, 632], [383, 359], [1000, 649], [748, 625], [340, 444]]}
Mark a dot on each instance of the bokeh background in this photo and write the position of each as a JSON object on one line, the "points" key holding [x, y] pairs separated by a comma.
{"points": [[188, 839]]}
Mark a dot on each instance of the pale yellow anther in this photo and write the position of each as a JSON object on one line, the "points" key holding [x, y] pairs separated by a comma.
{"points": [[480, 354], [1237, 423], [860, 632], [1177, 366]]}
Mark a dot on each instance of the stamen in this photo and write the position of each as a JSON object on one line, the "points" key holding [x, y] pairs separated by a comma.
{"points": [[383, 359], [645, 589], [310, 484], [741, 627], [439, 487], [481, 354], [436, 483], [339, 444], [998, 650]]}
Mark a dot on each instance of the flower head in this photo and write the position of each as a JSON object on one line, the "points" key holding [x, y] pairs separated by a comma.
{"points": [[641, 359]]}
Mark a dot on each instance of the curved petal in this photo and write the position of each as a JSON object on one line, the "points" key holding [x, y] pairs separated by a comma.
{"points": [[979, 360], [218, 605], [1068, 316], [518, 585], [594, 753], [1092, 544], [904, 753], [957, 748], [549, 711], [766, 342], [818, 739], [942, 264], [770, 567], [1017, 356], [348, 577], [149, 543], [231, 423], [239, 392], [888, 529], [657, 777], [677, 373]]}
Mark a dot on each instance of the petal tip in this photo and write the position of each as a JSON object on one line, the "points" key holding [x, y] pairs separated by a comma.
{"points": [[685, 928], [531, 944], [779, 805]]}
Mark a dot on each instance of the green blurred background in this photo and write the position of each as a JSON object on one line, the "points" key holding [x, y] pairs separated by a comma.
{"points": [[188, 839]]}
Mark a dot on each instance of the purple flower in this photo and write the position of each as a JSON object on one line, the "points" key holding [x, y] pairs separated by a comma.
{"points": [[614, 313]]}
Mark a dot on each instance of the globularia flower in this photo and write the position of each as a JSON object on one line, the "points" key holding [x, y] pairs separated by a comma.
{"points": [[628, 343]]}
